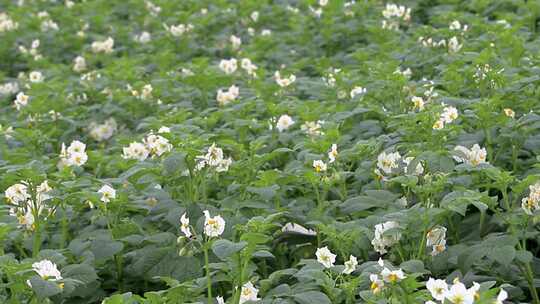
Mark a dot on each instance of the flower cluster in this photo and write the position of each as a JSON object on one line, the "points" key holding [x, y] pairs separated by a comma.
{"points": [[225, 97], [394, 15], [457, 293], [284, 82], [389, 163], [178, 30], [33, 51], [228, 66], [386, 275], [23, 206], [105, 46], [474, 156], [6, 23], [448, 115], [74, 155], [214, 159], [153, 145]]}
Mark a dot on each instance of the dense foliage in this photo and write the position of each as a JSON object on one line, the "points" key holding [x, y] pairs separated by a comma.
{"points": [[271, 151]]}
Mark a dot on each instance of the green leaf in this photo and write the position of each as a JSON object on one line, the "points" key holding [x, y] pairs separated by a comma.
{"points": [[503, 255], [175, 163], [311, 297], [43, 288], [225, 248], [524, 256], [104, 248], [82, 272]]}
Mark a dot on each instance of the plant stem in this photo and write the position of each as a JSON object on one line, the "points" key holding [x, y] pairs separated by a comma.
{"points": [[208, 278], [37, 240]]}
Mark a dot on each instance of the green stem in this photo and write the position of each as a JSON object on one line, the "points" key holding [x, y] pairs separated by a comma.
{"points": [[208, 278], [37, 239], [64, 229], [316, 189]]}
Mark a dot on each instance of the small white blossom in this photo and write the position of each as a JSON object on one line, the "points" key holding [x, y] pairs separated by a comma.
{"points": [[213, 226], [284, 122], [437, 288], [325, 257], [106, 46], [319, 166], [248, 293], [47, 270], [184, 226], [107, 193], [350, 265], [228, 66]]}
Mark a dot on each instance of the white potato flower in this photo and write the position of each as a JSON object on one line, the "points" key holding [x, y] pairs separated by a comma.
{"points": [[459, 294], [213, 226], [449, 114], [184, 225], [79, 64], [284, 122], [474, 157], [35, 77], [350, 265], [254, 16], [503, 295], [392, 276], [157, 144], [319, 166], [21, 101], [136, 151], [143, 37], [228, 66], [509, 112], [249, 67], [49, 25], [106, 46], [248, 293], [74, 155], [437, 288], [333, 153], [225, 97], [357, 91], [388, 161], [325, 257], [6, 23], [235, 41], [107, 193], [284, 82], [376, 283], [453, 45], [164, 129], [47, 270], [179, 30]]}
